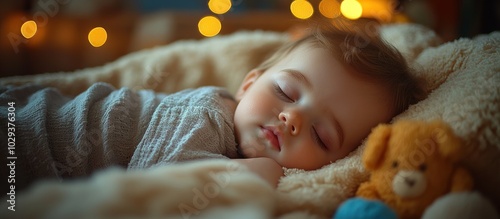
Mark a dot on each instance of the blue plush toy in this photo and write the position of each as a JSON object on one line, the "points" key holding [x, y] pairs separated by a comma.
{"points": [[358, 208]]}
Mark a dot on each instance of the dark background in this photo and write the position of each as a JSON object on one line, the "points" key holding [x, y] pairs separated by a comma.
{"points": [[61, 43]]}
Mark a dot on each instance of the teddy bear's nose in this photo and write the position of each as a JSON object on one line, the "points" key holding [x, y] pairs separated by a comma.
{"points": [[409, 183]]}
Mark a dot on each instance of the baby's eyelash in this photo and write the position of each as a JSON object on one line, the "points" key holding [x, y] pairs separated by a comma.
{"points": [[281, 94], [318, 140]]}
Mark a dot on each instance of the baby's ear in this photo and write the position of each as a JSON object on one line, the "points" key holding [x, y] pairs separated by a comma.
{"points": [[248, 81], [376, 146]]}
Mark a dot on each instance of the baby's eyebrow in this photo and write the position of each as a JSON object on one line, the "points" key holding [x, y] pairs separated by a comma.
{"points": [[298, 76]]}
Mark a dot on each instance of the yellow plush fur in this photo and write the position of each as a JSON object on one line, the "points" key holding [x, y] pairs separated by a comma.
{"points": [[412, 163]]}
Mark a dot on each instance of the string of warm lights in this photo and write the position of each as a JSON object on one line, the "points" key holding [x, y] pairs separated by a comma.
{"points": [[97, 36], [210, 25], [352, 9], [301, 9], [329, 8], [28, 29]]}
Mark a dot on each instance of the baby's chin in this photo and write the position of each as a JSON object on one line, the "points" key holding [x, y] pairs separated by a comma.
{"points": [[251, 151]]}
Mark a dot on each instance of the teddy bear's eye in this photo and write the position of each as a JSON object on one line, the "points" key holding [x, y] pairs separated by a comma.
{"points": [[394, 164], [422, 167]]}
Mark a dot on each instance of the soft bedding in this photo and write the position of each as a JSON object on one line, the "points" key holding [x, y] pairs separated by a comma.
{"points": [[462, 79]]}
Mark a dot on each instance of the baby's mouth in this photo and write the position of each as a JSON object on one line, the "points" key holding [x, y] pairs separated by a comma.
{"points": [[272, 135]]}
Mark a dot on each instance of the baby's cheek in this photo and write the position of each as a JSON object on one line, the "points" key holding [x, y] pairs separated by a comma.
{"points": [[307, 159]]}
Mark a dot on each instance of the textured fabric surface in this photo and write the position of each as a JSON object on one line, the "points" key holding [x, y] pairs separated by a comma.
{"points": [[187, 125], [211, 189], [61, 137], [462, 80]]}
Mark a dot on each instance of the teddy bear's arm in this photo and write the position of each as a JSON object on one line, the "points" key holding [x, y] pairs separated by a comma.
{"points": [[367, 190], [461, 180]]}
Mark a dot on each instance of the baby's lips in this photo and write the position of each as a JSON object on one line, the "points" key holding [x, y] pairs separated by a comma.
{"points": [[273, 135]]}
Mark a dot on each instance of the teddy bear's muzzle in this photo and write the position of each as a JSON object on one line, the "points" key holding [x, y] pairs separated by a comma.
{"points": [[409, 183]]}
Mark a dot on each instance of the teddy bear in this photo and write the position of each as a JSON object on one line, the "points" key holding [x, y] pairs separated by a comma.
{"points": [[411, 164]]}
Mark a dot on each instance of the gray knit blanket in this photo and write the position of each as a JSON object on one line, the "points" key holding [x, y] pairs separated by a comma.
{"points": [[55, 136]]}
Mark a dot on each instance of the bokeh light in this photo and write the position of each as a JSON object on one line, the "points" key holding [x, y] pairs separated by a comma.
{"points": [[209, 26], [329, 8], [351, 9], [380, 10], [219, 6], [98, 36], [301, 9], [28, 29]]}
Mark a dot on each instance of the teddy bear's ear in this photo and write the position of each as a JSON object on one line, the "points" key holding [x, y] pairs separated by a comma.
{"points": [[376, 146], [449, 145]]}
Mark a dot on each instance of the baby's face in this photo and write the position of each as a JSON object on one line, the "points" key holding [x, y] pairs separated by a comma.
{"points": [[307, 111]]}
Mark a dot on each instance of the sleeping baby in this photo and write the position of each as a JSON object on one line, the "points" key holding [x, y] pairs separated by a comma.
{"points": [[308, 105]]}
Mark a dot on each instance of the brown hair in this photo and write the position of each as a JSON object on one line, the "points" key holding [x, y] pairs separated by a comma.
{"points": [[359, 46]]}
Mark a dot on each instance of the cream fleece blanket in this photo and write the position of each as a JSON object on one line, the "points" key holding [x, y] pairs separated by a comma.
{"points": [[462, 79]]}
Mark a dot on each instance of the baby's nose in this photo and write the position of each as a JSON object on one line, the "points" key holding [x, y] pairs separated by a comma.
{"points": [[292, 120]]}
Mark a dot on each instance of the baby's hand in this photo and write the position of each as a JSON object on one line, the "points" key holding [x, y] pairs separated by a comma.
{"points": [[266, 168]]}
